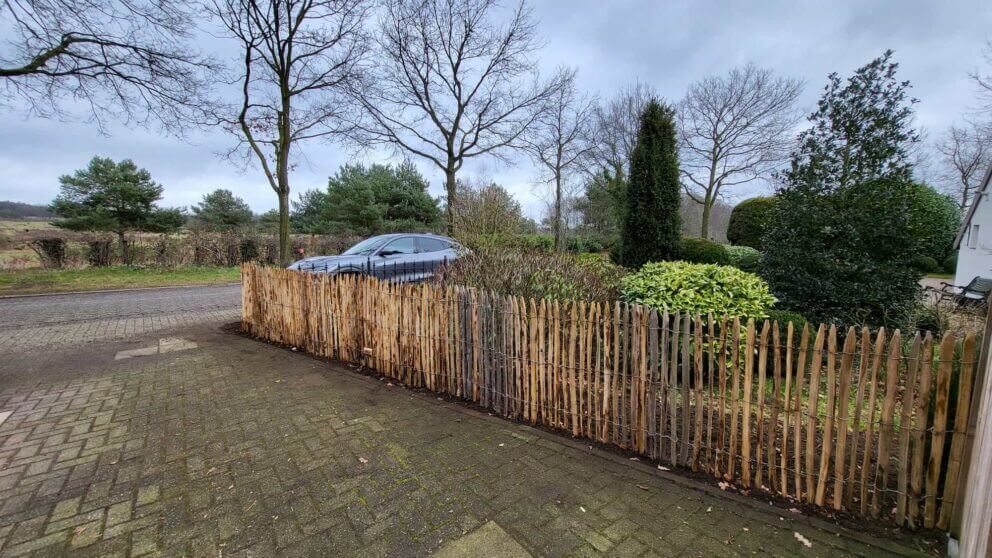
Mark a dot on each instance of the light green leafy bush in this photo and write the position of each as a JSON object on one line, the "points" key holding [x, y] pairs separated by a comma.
{"points": [[699, 289]]}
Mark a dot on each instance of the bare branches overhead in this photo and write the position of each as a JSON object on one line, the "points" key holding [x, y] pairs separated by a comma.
{"points": [[734, 129], [983, 79], [616, 125], [449, 83], [965, 153], [560, 142], [297, 59], [126, 60]]}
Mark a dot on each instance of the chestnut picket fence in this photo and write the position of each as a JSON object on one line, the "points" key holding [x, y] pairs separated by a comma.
{"points": [[870, 422]]}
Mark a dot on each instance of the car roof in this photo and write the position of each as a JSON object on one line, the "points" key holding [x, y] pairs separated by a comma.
{"points": [[424, 235]]}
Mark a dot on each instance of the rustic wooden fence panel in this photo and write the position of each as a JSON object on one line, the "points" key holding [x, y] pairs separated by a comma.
{"points": [[867, 422]]}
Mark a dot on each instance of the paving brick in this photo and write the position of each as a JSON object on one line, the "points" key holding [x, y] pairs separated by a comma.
{"points": [[147, 494], [65, 508]]}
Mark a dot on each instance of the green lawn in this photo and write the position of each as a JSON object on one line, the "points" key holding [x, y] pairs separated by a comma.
{"points": [[32, 281], [947, 276]]}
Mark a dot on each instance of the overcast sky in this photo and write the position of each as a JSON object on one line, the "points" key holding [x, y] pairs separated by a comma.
{"points": [[665, 44]]}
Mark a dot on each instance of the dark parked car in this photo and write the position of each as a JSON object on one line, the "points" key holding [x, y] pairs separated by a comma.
{"points": [[398, 257]]}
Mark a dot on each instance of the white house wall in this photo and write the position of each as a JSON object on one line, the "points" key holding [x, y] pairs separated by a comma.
{"points": [[976, 261]]}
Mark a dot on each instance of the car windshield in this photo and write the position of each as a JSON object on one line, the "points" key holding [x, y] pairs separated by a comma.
{"points": [[366, 246]]}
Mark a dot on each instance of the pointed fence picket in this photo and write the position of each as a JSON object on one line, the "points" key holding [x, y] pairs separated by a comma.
{"points": [[864, 422]]}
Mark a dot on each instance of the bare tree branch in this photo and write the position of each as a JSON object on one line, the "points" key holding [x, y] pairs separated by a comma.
{"points": [[449, 84], [298, 57], [616, 125], [560, 141], [966, 152], [983, 81], [126, 60], [734, 129]]}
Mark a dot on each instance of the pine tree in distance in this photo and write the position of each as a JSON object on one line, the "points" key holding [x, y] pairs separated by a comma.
{"points": [[651, 226]]}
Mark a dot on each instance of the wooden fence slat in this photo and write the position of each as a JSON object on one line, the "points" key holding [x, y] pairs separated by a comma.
{"points": [[685, 385], [605, 407], [652, 379], [959, 434], [919, 430], [735, 390], [888, 416], [828, 428], [862, 379], [711, 375], [844, 397], [798, 411], [876, 363], [663, 384], [774, 473], [940, 408], [812, 405], [617, 350], [905, 428], [673, 385], [747, 395], [697, 439], [786, 411], [760, 434], [722, 402]]}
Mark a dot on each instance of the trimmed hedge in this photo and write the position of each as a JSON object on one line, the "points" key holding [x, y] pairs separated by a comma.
{"points": [[700, 250], [744, 258], [950, 263], [925, 264], [749, 222]]}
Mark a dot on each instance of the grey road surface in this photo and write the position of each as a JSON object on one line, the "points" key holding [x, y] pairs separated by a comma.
{"points": [[60, 320]]}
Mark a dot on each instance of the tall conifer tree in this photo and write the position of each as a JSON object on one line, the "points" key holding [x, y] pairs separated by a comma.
{"points": [[651, 224]]}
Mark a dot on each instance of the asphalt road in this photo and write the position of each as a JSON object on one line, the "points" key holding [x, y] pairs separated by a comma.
{"points": [[81, 307], [68, 319]]}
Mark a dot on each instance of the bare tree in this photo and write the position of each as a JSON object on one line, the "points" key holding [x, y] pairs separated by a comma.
{"points": [[966, 153], [983, 82], [449, 84], [560, 141], [297, 59], [616, 125], [121, 59], [734, 129]]}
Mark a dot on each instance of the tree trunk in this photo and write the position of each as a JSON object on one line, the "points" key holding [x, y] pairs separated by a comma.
{"points": [[125, 248], [449, 186], [557, 216], [285, 255], [704, 228]]}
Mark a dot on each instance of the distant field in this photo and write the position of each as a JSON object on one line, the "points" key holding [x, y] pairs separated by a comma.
{"points": [[34, 281], [11, 226], [12, 255]]}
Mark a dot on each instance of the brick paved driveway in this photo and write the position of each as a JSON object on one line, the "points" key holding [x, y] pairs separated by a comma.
{"points": [[129, 445]]}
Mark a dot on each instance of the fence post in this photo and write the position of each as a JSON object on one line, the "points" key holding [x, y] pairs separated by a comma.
{"points": [[978, 406], [972, 521]]}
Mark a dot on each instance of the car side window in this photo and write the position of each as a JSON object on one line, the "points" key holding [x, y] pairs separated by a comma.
{"points": [[405, 245], [430, 245]]}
